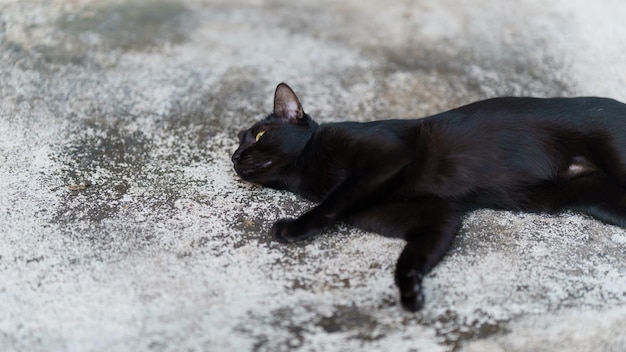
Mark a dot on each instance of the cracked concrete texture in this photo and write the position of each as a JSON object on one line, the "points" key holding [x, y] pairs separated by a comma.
{"points": [[123, 226]]}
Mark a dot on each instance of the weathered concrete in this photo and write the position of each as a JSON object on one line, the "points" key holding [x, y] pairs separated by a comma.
{"points": [[124, 228]]}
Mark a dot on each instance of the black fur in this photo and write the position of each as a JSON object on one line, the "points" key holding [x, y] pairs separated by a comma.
{"points": [[415, 179]]}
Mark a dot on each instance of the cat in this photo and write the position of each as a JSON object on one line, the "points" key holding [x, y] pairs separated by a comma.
{"points": [[415, 179]]}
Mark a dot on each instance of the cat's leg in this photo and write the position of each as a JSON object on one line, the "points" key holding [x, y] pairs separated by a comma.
{"points": [[356, 190], [595, 194], [598, 196], [426, 245], [428, 225]]}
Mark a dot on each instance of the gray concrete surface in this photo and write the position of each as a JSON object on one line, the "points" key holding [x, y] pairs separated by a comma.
{"points": [[166, 250]]}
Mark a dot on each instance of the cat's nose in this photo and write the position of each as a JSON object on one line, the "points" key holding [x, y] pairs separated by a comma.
{"points": [[236, 156]]}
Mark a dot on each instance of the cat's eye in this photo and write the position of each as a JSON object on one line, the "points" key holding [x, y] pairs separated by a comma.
{"points": [[258, 135]]}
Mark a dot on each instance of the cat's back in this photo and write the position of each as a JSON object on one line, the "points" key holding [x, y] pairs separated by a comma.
{"points": [[528, 118], [539, 109], [512, 138]]}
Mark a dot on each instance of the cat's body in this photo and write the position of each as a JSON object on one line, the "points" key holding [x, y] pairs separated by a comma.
{"points": [[415, 179]]}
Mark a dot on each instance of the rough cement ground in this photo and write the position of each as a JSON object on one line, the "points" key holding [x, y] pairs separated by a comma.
{"points": [[167, 250]]}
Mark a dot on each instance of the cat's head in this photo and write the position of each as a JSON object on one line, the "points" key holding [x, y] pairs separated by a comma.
{"points": [[268, 150]]}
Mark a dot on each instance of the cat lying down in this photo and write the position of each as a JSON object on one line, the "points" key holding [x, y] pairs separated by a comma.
{"points": [[415, 179]]}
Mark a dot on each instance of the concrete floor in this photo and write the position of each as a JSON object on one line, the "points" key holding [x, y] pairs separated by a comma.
{"points": [[124, 228]]}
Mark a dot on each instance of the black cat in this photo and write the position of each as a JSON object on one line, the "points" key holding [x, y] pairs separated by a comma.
{"points": [[415, 179]]}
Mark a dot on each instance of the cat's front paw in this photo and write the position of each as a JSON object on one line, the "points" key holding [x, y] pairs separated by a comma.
{"points": [[411, 294], [412, 301], [291, 230]]}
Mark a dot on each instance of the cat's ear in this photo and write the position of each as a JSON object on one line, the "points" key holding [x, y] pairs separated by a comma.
{"points": [[286, 104]]}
